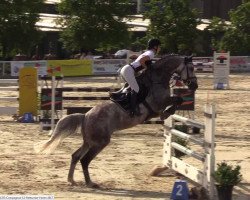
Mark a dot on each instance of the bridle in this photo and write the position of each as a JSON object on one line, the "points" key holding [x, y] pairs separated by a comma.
{"points": [[189, 77]]}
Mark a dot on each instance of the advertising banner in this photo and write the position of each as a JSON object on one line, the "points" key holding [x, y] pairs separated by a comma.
{"points": [[72, 67], [203, 64], [240, 64], [41, 66], [107, 66]]}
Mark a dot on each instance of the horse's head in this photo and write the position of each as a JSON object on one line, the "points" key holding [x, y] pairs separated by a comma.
{"points": [[186, 72], [157, 79], [170, 64]]}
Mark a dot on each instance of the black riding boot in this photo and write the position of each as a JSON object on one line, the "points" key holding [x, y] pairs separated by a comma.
{"points": [[118, 91], [135, 111], [114, 95]]}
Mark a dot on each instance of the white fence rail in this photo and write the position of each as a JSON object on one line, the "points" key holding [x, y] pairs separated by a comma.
{"points": [[207, 157]]}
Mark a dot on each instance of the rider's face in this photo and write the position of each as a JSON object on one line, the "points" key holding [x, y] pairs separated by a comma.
{"points": [[158, 48]]}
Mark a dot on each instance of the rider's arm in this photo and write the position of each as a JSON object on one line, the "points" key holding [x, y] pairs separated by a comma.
{"points": [[143, 61]]}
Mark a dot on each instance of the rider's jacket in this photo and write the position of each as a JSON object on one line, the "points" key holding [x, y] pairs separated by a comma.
{"points": [[136, 65]]}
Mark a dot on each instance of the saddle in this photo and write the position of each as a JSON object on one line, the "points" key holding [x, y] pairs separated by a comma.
{"points": [[122, 97]]}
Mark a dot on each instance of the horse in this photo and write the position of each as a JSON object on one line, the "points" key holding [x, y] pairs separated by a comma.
{"points": [[98, 124]]}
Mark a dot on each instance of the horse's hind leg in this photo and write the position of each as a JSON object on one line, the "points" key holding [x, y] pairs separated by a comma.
{"points": [[76, 156], [85, 161]]}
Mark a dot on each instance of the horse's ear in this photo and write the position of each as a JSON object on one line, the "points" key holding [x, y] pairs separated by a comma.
{"points": [[188, 59]]}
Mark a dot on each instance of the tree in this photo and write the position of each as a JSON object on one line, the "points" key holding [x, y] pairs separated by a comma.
{"points": [[217, 28], [17, 26], [237, 37], [174, 22], [92, 24]]}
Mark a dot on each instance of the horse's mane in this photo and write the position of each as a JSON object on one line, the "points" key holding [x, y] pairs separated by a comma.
{"points": [[163, 60]]}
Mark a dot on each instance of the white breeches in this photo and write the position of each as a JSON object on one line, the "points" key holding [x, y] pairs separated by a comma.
{"points": [[128, 74]]}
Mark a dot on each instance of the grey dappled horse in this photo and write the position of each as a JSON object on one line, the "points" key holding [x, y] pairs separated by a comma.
{"points": [[101, 121]]}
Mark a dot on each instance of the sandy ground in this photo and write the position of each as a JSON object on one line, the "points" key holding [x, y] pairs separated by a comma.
{"points": [[123, 168]]}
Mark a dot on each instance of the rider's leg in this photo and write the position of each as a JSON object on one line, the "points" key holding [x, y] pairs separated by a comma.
{"points": [[134, 106], [129, 75]]}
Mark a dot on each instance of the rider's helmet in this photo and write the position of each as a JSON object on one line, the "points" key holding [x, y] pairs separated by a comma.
{"points": [[153, 42]]}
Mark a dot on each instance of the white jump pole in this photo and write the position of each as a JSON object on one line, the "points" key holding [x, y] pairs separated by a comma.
{"points": [[53, 94], [204, 176], [8, 80]]}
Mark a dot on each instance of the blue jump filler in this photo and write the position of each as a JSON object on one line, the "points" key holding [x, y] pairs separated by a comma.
{"points": [[27, 118]]}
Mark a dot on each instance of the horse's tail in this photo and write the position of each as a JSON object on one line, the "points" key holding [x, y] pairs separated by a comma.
{"points": [[64, 128]]}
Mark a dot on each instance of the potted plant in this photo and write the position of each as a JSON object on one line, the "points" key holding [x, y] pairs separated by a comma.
{"points": [[226, 177]]}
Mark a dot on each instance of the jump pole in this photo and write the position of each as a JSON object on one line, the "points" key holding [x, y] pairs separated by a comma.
{"points": [[53, 94], [204, 176]]}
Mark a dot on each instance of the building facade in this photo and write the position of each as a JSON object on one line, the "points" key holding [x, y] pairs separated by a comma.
{"points": [[219, 8]]}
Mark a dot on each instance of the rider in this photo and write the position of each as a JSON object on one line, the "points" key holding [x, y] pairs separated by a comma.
{"points": [[140, 64]]}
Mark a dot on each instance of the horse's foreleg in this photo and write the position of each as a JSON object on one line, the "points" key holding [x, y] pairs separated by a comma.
{"points": [[166, 113], [176, 102], [76, 156], [85, 161]]}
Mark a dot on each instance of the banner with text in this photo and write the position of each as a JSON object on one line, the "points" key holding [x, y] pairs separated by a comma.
{"points": [[107, 66], [71, 67], [41, 66]]}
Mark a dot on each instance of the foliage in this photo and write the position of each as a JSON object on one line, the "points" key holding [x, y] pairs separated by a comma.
{"points": [[181, 127], [233, 36], [139, 44], [217, 29], [180, 141], [237, 37], [174, 22], [227, 174], [17, 26], [92, 24]]}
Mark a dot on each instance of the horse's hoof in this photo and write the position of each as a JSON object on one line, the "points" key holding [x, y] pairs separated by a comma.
{"points": [[164, 115], [72, 183], [93, 185]]}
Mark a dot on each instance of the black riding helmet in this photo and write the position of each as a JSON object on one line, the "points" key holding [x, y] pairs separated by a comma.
{"points": [[153, 42]]}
